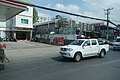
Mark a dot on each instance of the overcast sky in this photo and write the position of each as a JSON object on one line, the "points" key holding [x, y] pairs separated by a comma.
{"points": [[93, 8]]}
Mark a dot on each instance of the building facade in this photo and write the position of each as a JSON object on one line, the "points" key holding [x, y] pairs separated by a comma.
{"points": [[21, 25], [66, 27], [8, 9], [43, 18], [2, 30]]}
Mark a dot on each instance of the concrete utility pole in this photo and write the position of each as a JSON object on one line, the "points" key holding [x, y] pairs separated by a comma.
{"points": [[107, 13]]}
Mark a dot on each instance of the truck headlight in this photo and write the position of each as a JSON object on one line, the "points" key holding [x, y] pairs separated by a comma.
{"points": [[69, 49]]}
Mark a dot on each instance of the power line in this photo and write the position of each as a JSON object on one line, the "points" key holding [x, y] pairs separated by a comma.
{"points": [[113, 23], [55, 10], [118, 21]]}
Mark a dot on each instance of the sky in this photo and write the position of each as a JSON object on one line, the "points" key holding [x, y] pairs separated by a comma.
{"points": [[92, 8]]}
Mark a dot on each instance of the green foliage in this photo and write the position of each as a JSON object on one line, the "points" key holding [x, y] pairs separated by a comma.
{"points": [[93, 34], [35, 15]]}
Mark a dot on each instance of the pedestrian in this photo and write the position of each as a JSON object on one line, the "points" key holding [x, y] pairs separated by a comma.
{"points": [[3, 57]]}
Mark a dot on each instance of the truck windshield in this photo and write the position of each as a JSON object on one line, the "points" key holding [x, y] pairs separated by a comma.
{"points": [[77, 42]]}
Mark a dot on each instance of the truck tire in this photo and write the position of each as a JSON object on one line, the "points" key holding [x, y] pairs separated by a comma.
{"points": [[77, 57], [102, 53]]}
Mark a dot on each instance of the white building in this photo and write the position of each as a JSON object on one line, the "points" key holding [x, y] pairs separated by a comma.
{"points": [[43, 18], [8, 9], [21, 25], [2, 29]]}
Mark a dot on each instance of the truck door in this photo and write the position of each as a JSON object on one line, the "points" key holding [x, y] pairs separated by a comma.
{"points": [[94, 47], [87, 48]]}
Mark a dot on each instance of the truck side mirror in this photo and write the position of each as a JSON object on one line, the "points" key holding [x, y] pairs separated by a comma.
{"points": [[84, 45]]}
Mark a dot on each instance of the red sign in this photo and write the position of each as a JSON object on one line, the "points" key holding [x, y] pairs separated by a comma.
{"points": [[117, 32], [60, 41], [2, 46]]}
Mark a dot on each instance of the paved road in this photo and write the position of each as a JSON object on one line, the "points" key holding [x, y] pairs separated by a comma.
{"points": [[36, 61]]}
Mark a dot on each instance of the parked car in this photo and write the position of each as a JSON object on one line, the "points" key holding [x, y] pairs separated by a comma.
{"points": [[84, 48], [116, 44], [105, 41]]}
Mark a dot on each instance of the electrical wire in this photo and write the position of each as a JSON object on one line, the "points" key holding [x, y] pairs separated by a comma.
{"points": [[55, 10]]}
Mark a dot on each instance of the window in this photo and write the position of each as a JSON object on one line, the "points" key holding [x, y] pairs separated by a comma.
{"points": [[94, 42], [24, 21], [44, 19], [87, 43], [77, 42]]}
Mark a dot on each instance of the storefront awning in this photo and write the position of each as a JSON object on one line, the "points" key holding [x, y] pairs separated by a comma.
{"points": [[9, 9]]}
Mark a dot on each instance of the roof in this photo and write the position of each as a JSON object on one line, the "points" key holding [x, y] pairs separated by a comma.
{"points": [[13, 3], [43, 23], [103, 27]]}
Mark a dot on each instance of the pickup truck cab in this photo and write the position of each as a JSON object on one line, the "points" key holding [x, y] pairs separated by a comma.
{"points": [[84, 48]]}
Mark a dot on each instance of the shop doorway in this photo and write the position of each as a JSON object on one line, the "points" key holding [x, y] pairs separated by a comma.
{"points": [[20, 35]]}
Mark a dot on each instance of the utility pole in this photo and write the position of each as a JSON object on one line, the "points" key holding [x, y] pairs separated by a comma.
{"points": [[107, 13]]}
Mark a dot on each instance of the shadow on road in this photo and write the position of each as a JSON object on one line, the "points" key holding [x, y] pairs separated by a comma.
{"points": [[1, 67], [61, 59], [118, 50]]}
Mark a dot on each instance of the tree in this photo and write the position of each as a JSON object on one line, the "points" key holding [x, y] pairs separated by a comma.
{"points": [[35, 15], [93, 35]]}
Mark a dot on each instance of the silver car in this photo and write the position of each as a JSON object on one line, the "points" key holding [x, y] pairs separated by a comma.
{"points": [[116, 44]]}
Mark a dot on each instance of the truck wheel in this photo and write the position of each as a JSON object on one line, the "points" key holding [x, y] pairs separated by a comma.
{"points": [[102, 54], [77, 57]]}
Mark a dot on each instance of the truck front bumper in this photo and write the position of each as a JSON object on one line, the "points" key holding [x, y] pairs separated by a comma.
{"points": [[66, 54]]}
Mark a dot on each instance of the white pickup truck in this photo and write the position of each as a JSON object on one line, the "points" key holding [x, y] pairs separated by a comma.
{"points": [[84, 48]]}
